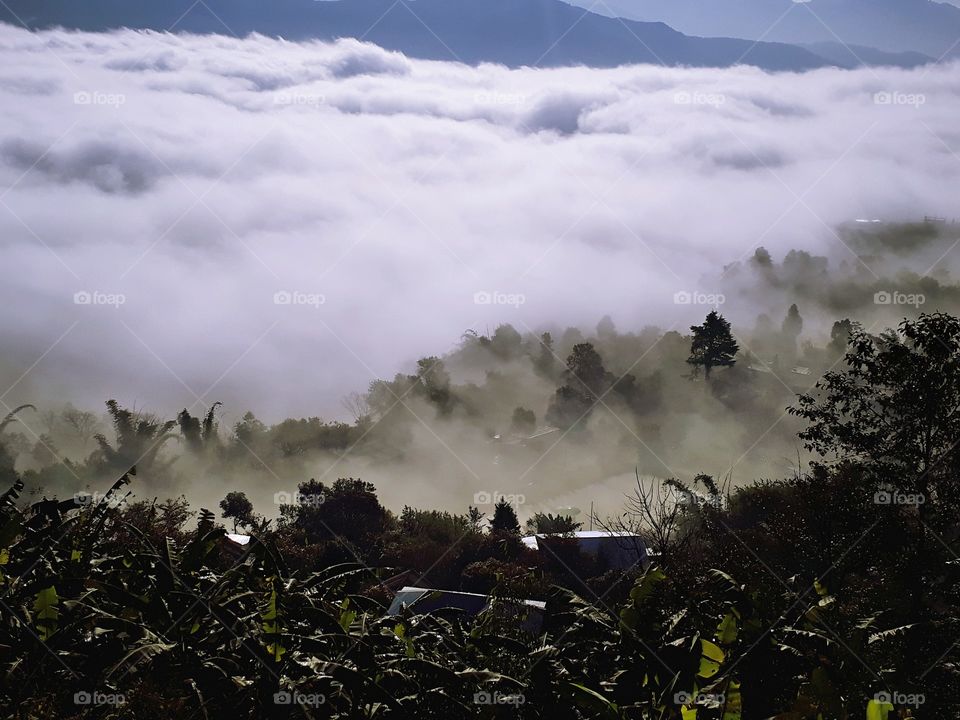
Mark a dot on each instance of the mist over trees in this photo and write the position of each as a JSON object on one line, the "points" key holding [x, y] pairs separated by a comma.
{"points": [[792, 477], [776, 598], [713, 344], [528, 392], [558, 415], [791, 484]]}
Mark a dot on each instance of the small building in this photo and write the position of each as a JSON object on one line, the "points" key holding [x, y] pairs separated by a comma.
{"points": [[529, 613], [236, 545], [619, 549]]}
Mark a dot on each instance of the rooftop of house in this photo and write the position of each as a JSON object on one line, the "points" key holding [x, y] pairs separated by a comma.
{"points": [[428, 599]]}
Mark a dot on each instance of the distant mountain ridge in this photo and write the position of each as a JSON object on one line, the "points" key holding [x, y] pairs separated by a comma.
{"points": [[895, 26], [511, 32]]}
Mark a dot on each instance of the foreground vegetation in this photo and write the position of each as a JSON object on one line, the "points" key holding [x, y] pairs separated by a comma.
{"points": [[830, 594]]}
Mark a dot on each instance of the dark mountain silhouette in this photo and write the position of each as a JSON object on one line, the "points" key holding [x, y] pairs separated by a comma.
{"points": [[512, 32], [923, 26], [859, 55]]}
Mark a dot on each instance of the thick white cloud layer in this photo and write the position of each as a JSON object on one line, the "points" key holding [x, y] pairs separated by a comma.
{"points": [[199, 176]]}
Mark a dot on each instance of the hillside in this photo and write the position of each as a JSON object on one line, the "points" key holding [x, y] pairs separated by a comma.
{"points": [[511, 32], [923, 26]]}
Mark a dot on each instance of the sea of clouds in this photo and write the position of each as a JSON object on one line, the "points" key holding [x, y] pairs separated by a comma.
{"points": [[272, 224]]}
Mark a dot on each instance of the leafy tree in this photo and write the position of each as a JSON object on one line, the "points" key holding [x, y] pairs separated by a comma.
{"points": [[893, 407], [12, 416], [358, 405], [524, 421], [82, 423], [585, 380], [436, 545], [435, 524], [347, 510], [434, 382], [139, 439], [543, 523], [249, 430], [568, 407], [199, 435], [384, 395], [761, 258], [791, 328], [8, 474], [45, 451], [237, 506], [893, 410], [840, 336], [713, 344], [504, 517], [585, 367], [298, 437], [475, 516], [506, 342], [606, 330], [545, 361]]}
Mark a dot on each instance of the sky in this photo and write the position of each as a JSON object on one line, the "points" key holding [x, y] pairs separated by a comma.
{"points": [[273, 224]]}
